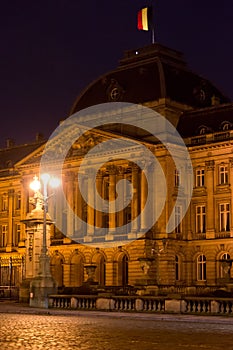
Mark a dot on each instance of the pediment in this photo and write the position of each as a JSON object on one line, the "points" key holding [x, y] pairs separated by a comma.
{"points": [[85, 142]]}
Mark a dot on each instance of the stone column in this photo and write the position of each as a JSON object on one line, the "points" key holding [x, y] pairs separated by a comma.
{"points": [[134, 203], [59, 208], [70, 203], [10, 220], [144, 191], [78, 203], [112, 198], [90, 207], [120, 215], [23, 209], [231, 184], [98, 213], [210, 231]]}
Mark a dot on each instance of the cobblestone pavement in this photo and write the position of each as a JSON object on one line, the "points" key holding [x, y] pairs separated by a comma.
{"points": [[25, 328]]}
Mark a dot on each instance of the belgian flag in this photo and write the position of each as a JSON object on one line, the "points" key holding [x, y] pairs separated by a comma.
{"points": [[145, 18]]}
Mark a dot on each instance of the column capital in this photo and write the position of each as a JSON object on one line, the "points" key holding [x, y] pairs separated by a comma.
{"points": [[89, 171], [112, 169], [210, 164], [231, 162], [135, 168], [69, 175], [120, 170], [11, 192], [99, 174]]}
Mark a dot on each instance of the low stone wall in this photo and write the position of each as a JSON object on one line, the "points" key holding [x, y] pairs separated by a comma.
{"points": [[189, 305], [9, 292]]}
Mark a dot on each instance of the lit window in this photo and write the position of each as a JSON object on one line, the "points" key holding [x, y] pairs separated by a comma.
{"points": [[224, 266], [177, 268], [224, 217], [18, 201], [201, 268], [203, 130], [178, 218], [17, 233], [4, 230], [226, 126], [200, 177], [4, 202], [200, 219], [223, 174], [177, 178]]}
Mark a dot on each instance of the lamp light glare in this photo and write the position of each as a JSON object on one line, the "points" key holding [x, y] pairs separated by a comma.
{"points": [[35, 184], [45, 178], [54, 182]]}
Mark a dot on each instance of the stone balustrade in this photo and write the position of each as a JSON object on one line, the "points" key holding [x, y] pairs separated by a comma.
{"points": [[187, 305], [198, 305], [73, 302]]}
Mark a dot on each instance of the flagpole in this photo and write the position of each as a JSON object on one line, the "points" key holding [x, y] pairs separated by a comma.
{"points": [[152, 24], [153, 35]]}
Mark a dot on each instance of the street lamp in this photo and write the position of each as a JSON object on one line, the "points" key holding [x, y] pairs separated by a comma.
{"points": [[43, 282], [42, 200]]}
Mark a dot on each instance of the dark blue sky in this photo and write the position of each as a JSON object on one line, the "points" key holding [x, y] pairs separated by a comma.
{"points": [[51, 50]]}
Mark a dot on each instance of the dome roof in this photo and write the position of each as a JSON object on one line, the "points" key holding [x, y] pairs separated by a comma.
{"points": [[148, 74]]}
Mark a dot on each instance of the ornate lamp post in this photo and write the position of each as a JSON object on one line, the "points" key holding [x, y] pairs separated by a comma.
{"points": [[43, 284]]}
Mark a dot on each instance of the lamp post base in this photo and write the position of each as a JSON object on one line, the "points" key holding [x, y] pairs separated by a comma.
{"points": [[42, 285], [40, 289]]}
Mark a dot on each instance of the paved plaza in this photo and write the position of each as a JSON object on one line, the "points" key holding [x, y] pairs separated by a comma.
{"points": [[22, 327]]}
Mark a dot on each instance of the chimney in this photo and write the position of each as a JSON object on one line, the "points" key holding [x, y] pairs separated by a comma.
{"points": [[215, 101], [10, 143], [39, 137]]}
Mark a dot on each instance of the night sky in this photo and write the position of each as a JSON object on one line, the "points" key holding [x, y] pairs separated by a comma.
{"points": [[51, 50]]}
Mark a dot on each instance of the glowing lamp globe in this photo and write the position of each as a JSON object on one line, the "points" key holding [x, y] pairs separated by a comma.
{"points": [[35, 184]]}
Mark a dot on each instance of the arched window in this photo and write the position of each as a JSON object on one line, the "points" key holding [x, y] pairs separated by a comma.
{"points": [[201, 268], [100, 272], [76, 271], [224, 266], [203, 130], [57, 269], [226, 125], [123, 270]]}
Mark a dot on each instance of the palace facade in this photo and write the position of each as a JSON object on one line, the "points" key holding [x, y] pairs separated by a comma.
{"points": [[194, 258]]}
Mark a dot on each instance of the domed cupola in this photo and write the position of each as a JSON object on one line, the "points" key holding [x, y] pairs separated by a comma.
{"points": [[148, 74]]}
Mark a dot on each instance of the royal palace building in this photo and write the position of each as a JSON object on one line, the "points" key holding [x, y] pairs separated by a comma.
{"points": [[122, 248]]}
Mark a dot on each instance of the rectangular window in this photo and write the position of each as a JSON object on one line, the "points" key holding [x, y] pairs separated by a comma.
{"points": [[177, 178], [17, 233], [177, 267], [200, 219], [4, 202], [223, 174], [201, 268], [224, 217], [4, 230], [18, 201], [178, 219], [200, 177]]}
